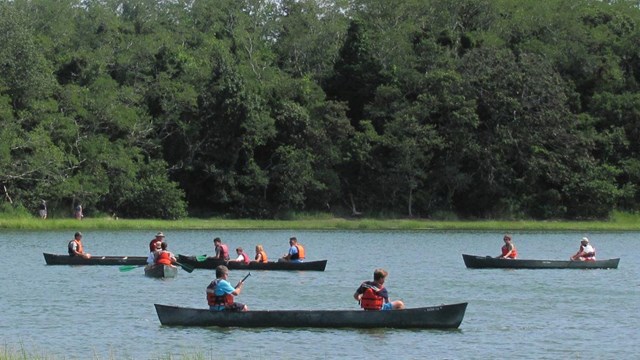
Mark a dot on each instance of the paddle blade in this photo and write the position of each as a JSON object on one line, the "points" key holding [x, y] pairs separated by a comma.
{"points": [[126, 268], [185, 267]]}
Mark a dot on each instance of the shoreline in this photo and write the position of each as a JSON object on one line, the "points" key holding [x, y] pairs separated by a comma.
{"points": [[618, 222]]}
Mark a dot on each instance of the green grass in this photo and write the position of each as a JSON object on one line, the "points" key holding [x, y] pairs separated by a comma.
{"points": [[618, 222]]}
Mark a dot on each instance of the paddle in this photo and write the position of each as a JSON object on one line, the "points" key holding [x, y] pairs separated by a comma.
{"points": [[126, 268], [243, 279], [185, 267]]}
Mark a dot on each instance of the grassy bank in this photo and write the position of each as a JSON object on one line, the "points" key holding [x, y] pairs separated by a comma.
{"points": [[618, 222]]}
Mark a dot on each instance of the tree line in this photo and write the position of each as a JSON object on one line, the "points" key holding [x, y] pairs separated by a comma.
{"points": [[256, 108]]}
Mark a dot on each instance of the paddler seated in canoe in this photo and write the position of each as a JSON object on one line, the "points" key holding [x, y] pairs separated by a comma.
{"points": [[586, 252], [158, 239], [164, 256], [295, 253], [151, 259], [243, 257], [372, 295], [508, 249], [261, 255], [222, 250], [220, 293], [75, 247]]}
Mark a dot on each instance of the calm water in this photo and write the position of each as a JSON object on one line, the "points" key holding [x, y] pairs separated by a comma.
{"points": [[98, 312]]}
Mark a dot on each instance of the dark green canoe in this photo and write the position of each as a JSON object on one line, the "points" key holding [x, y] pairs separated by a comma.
{"points": [[211, 263], [53, 259], [433, 317], [487, 262]]}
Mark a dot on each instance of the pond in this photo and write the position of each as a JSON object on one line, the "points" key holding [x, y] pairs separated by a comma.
{"points": [[77, 312]]}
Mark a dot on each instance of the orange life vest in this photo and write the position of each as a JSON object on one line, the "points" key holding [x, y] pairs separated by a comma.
{"points": [[370, 299], [79, 248], [164, 258], [225, 300], [514, 253], [264, 258], [300, 254]]}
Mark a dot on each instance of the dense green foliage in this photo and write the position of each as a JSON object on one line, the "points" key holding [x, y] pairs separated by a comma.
{"points": [[257, 108]]}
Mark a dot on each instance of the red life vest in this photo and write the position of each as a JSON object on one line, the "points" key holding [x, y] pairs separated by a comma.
{"points": [[224, 252], [370, 299], [164, 258], [245, 258], [225, 300], [514, 253]]}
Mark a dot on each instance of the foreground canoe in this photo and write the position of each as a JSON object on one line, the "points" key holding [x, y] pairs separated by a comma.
{"points": [[161, 271], [486, 262], [433, 317], [211, 263], [53, 259]]}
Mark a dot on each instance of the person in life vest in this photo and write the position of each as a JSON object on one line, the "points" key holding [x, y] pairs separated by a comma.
{"points": [[261, 255], [220, 293], [295, 253], [586, 252], [372, 295], [155, 246], [243, 257], [158, 239], [75, 247], [222, 250], [509, 249], [164, 256]]}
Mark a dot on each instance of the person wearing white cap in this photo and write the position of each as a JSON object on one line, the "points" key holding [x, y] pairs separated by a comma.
{"points": [[586, 252]]}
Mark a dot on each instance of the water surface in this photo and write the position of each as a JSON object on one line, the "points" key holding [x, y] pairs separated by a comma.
{"points": [[78, 312]]}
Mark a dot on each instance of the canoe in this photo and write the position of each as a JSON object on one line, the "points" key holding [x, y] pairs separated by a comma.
{"points": [[433, 317], [53, 259], [161, 271], [211, 263], [487, 262]]}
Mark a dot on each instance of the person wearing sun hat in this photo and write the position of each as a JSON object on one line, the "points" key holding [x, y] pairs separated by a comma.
{"points": [[158, 239], [155, 245], [586, 252]]}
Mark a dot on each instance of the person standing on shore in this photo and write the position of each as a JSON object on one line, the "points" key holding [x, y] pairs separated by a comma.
{"points": [[42, 210], [78, 212]]}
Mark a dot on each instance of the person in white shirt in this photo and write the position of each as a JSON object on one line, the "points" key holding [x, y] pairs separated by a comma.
{"points": [[586, 252]]}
